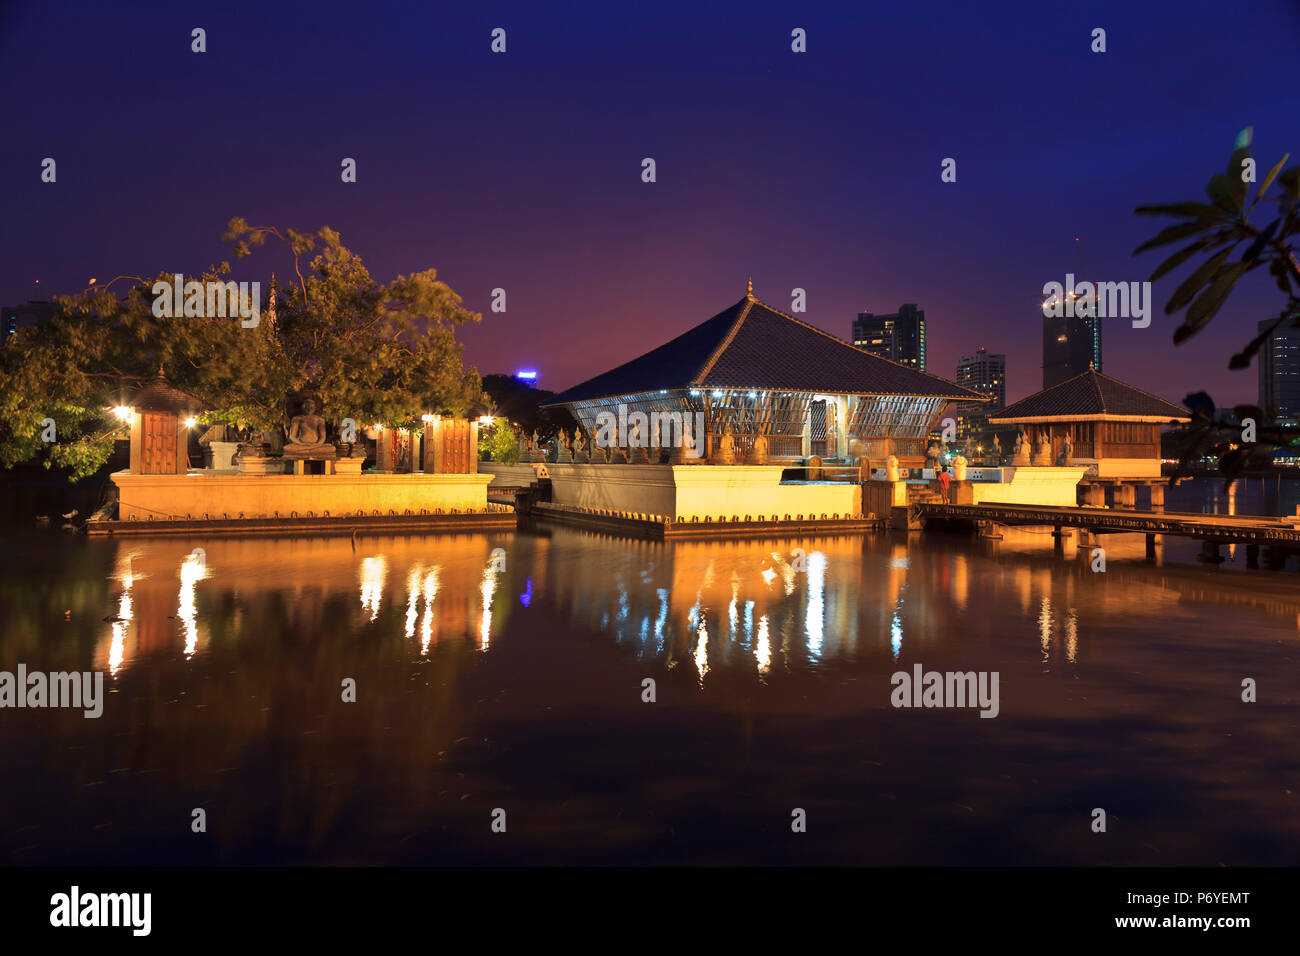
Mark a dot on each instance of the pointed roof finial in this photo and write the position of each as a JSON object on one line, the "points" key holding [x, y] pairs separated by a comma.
{"points": [[749, 290], [1091, 366]]}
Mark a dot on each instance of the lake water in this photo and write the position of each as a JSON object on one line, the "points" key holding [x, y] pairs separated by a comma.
{"points": [[512, 680]]}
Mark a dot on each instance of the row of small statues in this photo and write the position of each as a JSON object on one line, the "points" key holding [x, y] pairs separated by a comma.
{"points": [[1020, 454], [579, 448]]}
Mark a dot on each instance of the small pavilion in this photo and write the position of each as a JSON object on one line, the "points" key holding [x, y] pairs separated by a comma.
{"points": [[1114, 430]]}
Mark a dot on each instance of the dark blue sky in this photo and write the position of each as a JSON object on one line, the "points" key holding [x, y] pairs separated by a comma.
{"points": [[522, 170]]}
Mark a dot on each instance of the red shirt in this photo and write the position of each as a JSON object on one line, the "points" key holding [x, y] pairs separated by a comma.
{"points": [[945, 479]]}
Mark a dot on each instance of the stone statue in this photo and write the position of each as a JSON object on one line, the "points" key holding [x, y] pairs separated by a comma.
{"points": [[564, 452], [307, 435], [1067, 452], [581, 446], [725, 453], [997, 451], [759, 454], [535, 449], [1020, 454], [638, 454], [1043, 453], [932, 456], [891, 468], [959, 468]]}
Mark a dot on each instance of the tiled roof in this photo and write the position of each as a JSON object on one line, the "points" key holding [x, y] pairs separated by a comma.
{"points": [[159, 396], [1091, 393], [751, 345]]}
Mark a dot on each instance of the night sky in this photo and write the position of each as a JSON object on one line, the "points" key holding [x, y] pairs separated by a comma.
{"points": [[523, 170]]}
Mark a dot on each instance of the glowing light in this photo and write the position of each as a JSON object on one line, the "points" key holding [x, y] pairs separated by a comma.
{"points": [[485, 420], [123, 413], [527, 374], [191, 422], [428, 418]]}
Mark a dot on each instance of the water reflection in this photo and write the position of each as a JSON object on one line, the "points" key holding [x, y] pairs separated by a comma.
{"points": [[466, 694]]}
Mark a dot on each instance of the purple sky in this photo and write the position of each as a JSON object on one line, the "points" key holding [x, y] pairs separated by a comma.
{"points": [[522, 170]]}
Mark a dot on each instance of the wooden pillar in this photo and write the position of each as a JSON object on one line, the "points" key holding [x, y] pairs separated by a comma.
{"points": [[1058, 541], [1125, 496], [1157, 497], [1151, 549], [431, 447], [383, 451], [1094, 494]]}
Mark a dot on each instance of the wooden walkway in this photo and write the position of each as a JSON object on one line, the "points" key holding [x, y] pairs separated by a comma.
{"points": [[1226, 529], [1280, 535]]}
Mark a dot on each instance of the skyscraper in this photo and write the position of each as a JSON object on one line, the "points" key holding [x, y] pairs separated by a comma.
{"points": [[900, 336], [1071, 345], [1279, 371], [986, 374]]}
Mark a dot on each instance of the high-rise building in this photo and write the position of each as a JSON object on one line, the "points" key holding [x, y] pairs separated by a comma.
{"points": [[987, 374], [1071, 345], [17, 317], [900, 336], [1279, 371]]}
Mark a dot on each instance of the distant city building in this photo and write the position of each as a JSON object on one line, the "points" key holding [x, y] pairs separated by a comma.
{"points": [[987, 374], [17, 317], [1279, 371], [900, 337], [1071, 346]]}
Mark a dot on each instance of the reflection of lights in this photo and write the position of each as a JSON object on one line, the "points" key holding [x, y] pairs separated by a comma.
{"points": [[768, 576], [731, 608], [117, 641], [659, 621], [1071, 636], [193, 570], [1045, 627], [702, 651], [526, 598], [426, 625], [412, 599], [373, 572], [896, 631], [763, 653], [813, 622], [487, 589]]}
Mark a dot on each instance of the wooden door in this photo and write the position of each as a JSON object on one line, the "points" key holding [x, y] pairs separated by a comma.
{"points": [[456, 457], [159, 447]]}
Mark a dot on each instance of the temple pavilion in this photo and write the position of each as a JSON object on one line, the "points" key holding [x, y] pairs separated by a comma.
{"points": [[760, 371]]}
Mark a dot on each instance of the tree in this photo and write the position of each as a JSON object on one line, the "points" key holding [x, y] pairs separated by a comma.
{"points": [[371, 352], [1217, 228]]}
